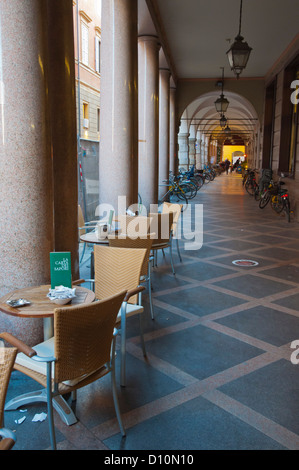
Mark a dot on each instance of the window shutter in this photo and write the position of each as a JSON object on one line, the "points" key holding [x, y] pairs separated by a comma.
{"points": [[97, 54], [84, 31]]}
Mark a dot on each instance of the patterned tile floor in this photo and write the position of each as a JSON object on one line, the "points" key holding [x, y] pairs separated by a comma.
{"points": [[218, 373]]}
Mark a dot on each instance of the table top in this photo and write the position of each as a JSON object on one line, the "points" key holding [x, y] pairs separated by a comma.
{"points": [[91, 237], [41, 306]]}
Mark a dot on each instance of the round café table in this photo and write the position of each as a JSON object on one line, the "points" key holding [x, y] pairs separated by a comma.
{"points": [[42, 307]]}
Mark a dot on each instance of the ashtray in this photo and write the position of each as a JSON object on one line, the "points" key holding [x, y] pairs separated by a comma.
{"points": [[61, 295], [61, 301], [18, 303]]}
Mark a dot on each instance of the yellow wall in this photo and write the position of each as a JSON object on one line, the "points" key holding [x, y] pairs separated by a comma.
{"points": [[229, 149]]}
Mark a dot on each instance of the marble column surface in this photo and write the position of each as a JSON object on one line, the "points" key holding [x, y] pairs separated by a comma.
{"points": [[26, 227], [183, 150], [172, 130], [148, 112], [164, 91], [118, 162]]}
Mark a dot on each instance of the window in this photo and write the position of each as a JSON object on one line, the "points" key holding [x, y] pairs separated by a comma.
{"points": [[269, 125], [84, 43], [289, 121], [97, 54], [85, 115]]}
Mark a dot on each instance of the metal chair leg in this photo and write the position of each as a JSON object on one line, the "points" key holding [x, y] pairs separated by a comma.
{"points": [[171, 260], [178, 249], [123, 345], [50, 406], [150, 290], [114, 391]]}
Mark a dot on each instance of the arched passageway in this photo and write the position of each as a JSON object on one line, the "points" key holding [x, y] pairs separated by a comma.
{"points": [[202, 135]]}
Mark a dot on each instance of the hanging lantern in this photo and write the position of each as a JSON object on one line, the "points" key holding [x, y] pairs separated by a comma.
{"points": [[239, 52], [222, 103]]}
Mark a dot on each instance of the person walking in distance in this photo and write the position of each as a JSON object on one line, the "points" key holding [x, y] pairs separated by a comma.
{"points": [[226, 165]]}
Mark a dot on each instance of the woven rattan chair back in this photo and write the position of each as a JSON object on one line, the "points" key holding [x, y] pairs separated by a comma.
{"points": [[7, 359], [176, 209], [134, 227], [83, 337], [117, 269], [124, 241], [161, 225]]}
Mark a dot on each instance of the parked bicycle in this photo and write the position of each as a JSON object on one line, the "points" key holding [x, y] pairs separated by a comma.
{"points": [[251, 185], [266, 194], [265, 182], [177, 192], [280, 201], [267, 191]]}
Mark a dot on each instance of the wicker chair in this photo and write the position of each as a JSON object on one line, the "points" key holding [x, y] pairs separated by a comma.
{"points": [[176, 209], [145, 242], [7, 359], [81, 351], [161, 224], [120, 269]]}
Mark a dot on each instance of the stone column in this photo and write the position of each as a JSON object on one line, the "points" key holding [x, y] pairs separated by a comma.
{"points": [[183, 150], [205, 151], [191, 144], [37, 159], [163, 128], [198, 151], [62, 104], [148, 114], [172, 131], [118, 161]]}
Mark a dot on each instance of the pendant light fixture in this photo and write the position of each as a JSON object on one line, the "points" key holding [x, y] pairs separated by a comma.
{"points": [[223, 121], [239, 52], [222, 103]]}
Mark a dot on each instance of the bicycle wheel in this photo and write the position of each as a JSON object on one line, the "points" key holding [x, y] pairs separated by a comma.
{"points": [[185, 190], [196, 182], [286, 208], [250, 187], [277, 204], [257, 195], [199, 180], [193, 188], [264, 200], [207, 178], [175, 199]]}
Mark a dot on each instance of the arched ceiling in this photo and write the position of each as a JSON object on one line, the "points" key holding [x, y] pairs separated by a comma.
{"points": [[196, 34], [201, 116]]}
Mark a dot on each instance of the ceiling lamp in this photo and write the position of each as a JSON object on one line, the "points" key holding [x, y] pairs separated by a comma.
{"points": [[239, 52], [222, 103], [223, 121]]}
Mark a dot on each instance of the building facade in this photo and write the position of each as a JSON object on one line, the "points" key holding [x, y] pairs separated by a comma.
{"points": [[87, 48]]}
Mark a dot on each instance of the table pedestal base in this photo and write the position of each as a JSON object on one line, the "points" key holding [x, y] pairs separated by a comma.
{"points": [[65, 412]]}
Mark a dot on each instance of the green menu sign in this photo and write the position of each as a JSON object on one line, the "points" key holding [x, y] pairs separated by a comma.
{"points": [[60, 267]]}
